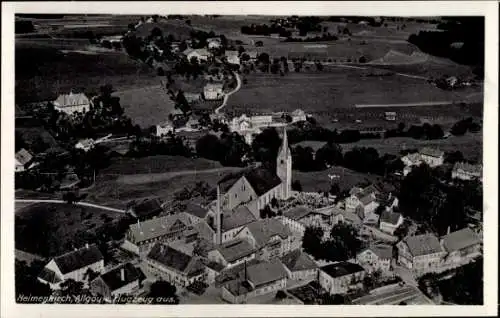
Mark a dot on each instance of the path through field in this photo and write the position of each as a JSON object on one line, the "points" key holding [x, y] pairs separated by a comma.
{"points": [[87, 204], [226, 97], [158, 177]]}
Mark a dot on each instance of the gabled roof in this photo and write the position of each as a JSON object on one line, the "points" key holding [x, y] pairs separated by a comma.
{"points": [[298, 212], [198, 51], [262, 180], [341, 269], [80, 258], [235, 250], [239, 216], [147, 207], [432, 152], [49, 276], [114, 280], [204, 230], [367, 199], [176, 260], [264, 230], [298, 261], [158, 227], [467, 167], [71, 99], [460, 239], [423, 244], [266, 272], [390, 217], [23, 156], [196, 210], [383, 251], [86, 142]]}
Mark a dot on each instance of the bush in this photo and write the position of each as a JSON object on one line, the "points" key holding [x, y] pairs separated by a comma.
{"points": [[281, 295]]}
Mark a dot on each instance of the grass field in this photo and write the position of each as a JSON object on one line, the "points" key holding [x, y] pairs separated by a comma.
{"points": [[319, 181], [49, 229], [43, 73], [340, 88], [146, 106], [471, 145], [178, 28]]}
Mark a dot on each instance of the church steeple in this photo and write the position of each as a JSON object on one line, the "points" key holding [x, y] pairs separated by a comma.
{"points": [[284, 166]]}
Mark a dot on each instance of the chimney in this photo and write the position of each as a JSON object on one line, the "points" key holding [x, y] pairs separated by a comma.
{"points": [[122, 274], [218, 237]]}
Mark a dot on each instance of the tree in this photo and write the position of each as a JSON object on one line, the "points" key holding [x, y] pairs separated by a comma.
{"points": [[336, 299], [280, 295], [362, 59], [453, 157], [70, 197], [71, 287], [265, 146], [296, 185], [330, 154], [345, 236], [311, 241], [162, 292], [26, 281]]}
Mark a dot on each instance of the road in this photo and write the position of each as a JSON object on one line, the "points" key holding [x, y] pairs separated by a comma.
{"points": [[87, 204], [405, 104], [226, 97]]}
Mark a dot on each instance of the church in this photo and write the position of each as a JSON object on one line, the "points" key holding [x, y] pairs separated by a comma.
{"points": [[253, 189]]}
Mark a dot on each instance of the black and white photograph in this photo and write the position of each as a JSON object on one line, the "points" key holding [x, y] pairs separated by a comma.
{"points": [[184, 158]]}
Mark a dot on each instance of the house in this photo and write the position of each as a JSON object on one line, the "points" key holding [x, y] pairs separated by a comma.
{"points": [[174, 266], [72, 102], [213, 270], [233, 221], [431, 156], [122, 280], [164, 129], [338, 215], [200, 54], [214, 43], [300, 217], [192, 97], [362, 201], [141, 236], [255, 280], [298, 115], [198, 213], [257, 187], [144, 209], [213, 91], [252, 55], [23, 158], [421, 253], [72, 265], [390, 116], [268, 237], [390, 221], [299, 265], [376, 257], [341, 277], [232, 57], [85, 144], [461, 246], [232, 253], [466, 171], [411, 160], [250, 126]]}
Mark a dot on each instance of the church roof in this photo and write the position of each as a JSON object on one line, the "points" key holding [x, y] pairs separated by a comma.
{"points": [[262, 180]]}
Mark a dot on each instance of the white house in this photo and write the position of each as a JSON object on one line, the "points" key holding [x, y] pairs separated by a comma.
{"points": [[164, 129], [467, 171], [341, 277], [232, 253], [70, 103], [23, 158], [299, 265], [232, 57], [376, 257], [85, 144], [214, 43], [362, 201], [433, 157], [300, 217], [298, 115], [200, 54], [421, 253], [390, 221], [72, 265], [213, 91]]}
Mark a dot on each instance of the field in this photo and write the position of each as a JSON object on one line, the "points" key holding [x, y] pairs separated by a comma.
{"points": [[319, 181], [44, 72], [339, 88], [49, 229], [146, 106], [178, 28], [471, 145]]}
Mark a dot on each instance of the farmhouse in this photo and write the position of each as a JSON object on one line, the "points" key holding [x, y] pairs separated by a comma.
{"points": [[338, 215], [259, 279], [362, 201], [341, 277], [376, 257], [433, 157], [255, 188], [232, 253], [250, 126], [466, 171], [200, 54], [299, 265], [461, 246], [174, 266], [421, 253], [300, 217], [72, 265], [141, 236], [390, 221], [23, 158], [144, 209], [164, 129], [122, 280], [214, 43], [213, 91], [232, 57], [70, 103], [268, 237], [85, 144]]}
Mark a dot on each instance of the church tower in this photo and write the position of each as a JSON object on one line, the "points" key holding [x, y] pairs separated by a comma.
{"points": [[284, 167]]}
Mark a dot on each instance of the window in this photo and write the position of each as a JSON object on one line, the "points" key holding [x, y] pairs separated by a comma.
{"points": [[236, 195]]}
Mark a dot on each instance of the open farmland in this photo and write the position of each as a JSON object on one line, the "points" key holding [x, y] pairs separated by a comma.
{"points": [[471, 145], [43, 72], [326, 92], [146, 106], [49, 229]]}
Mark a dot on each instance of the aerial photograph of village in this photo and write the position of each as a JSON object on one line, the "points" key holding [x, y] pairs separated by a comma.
{"points": [[248, 159]]}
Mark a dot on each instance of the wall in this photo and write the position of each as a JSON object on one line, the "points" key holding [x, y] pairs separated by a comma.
{"points": [[170, 275], [240, 192], [78, 275], [339, 285], [261, 290], [71, 109]]}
